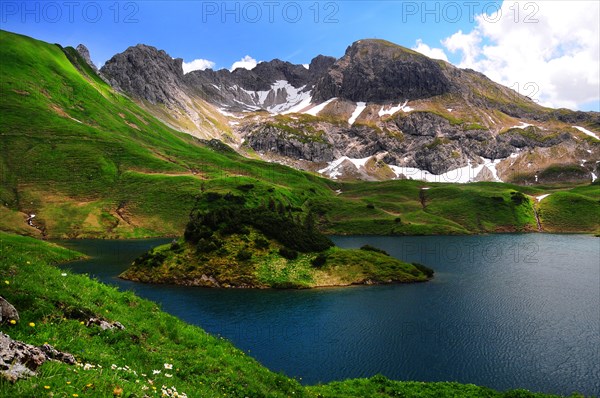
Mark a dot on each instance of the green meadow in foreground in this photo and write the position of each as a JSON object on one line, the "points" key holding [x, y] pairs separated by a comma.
{"points": [[90, 162], [53, 305]]}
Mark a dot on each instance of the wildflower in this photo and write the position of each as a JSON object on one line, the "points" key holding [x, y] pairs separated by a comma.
{"points": [[155, 372], [63, 274], [68, 382], [113, 366], [32, 324], [88, 385], [7, 282], [13, 322], [168, 375], [47, 387], [82, 322], [88, 366], [75, 395], [168, 366], [117, 391]]}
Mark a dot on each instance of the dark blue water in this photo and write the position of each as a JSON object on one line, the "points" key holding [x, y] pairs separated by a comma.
{"points": [[503, 311]]}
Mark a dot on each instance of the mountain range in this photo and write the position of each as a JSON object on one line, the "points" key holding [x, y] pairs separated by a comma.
{"points": [[379, 112]]}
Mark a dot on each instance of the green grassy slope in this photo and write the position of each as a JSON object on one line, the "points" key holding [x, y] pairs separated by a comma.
{"points": [[202, 365], [572, 211], [89, 162]]}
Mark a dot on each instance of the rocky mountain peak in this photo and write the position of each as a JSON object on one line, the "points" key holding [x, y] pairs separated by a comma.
{"points": [[375, 70], [147, 73], [85, 54], [320, 64]]}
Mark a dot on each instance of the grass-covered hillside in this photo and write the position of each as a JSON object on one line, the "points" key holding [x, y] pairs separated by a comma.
{"points": [[229, 243], [156, 354], [89, 162]]}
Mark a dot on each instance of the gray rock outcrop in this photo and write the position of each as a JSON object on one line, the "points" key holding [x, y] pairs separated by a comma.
{"points": [[7, 311], [20, 360], [380, 71]]}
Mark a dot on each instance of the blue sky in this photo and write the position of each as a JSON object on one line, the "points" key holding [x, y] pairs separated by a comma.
{"points": [[223, 32]]}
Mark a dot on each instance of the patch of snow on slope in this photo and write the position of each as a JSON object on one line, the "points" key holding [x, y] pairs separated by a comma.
{"points": [[491, 165], [541, 197], [521, 126], [359, 162], [299, 107], [293, 97], [394, 109], [586, 131], [316, 109], [461, 175], [360, 106], [332, 170]]}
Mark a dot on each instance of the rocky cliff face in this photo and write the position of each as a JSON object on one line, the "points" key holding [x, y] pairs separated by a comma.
{"points": [[380, 71], [147, 73], [85, 54]]}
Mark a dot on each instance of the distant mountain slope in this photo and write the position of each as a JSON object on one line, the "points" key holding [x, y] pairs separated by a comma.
{"points": [[381, 104]]}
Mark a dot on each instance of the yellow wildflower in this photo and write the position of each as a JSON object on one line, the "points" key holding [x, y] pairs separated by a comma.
{"points": [[13, 322], [32, 324]]}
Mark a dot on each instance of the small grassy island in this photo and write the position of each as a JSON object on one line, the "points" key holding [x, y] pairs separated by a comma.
{"points": [[229, 242]]}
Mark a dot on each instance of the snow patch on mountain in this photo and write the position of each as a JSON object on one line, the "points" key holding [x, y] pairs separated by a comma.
{"points": [[460, 175], [333, 169], [541, 197], [282, 97], [316, 109], [360, 106], [586, 131], [521, 126], [390, 111]]}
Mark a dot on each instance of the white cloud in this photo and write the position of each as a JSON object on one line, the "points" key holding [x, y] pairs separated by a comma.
{"points": [[547, 50], [436, 53], [247, 63], [197, 64]]}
